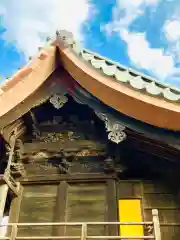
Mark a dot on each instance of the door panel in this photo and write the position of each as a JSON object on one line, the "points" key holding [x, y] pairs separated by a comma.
{"points": [[130, 211], [37, 205], [86, 202]]}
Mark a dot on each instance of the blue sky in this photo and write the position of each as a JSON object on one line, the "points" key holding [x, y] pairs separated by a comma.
{"points": [[141, 34]]}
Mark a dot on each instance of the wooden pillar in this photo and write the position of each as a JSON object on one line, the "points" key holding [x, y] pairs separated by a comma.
{"points": [[157, 230], [61, 209], [3, 194], [3, 197], [112, 207]]}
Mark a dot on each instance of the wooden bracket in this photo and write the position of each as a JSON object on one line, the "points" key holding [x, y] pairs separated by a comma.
{"points": [[9, 180]]}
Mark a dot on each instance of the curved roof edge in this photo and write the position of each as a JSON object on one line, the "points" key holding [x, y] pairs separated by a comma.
{"points": [[27, 80], [127, 76], [127, 91]]}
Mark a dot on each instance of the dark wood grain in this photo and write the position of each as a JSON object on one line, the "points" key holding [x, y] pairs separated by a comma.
{"points": [[112, 207], [38, 205], [86, 202]]}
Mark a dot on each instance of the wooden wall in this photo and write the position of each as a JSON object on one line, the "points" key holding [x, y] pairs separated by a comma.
{"points": [[38, 204], [95, 200], [64, 201]]}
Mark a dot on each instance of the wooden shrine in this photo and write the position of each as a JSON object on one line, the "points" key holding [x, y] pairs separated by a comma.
{"points": [[67, 157]]}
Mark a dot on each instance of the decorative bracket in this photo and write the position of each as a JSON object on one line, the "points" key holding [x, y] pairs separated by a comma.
{"points": [[8, 179], [115, 130], [14, 187], [58, 100], [64, 38]]}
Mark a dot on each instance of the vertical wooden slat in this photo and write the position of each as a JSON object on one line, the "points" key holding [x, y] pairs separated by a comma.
{"points": [[3, 197], [157, 196], [15, 209], [86, 203], [60, 211], [112, 207], [156, 224], [14, 232], [142, 200], [37, 205]]}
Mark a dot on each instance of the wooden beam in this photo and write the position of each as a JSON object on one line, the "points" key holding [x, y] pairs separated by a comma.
{"points": [[153, 149], [156, 144], [60, 145], [66, 177], [78, 127]]}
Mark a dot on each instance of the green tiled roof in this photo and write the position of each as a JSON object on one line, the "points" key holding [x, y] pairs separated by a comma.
{"points": [[127, 76]]}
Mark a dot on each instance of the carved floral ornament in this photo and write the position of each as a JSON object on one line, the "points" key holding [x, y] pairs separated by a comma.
{"points": [[115, 130], [58, 100]]}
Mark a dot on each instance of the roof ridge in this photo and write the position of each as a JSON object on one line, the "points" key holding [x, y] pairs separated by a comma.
{"points": [[110, 68]]}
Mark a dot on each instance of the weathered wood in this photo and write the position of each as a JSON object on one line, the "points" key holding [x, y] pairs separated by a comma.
{"points": [[78, 128], [3, 196], [61, 202], [78, 165], [112, 207], [128, 189], [157, 195], [38, 205], [73, 177], [60, 145], [17, 128], [42, 155], [86, 202], [11, 183], [2, 179], [157, 231], [139, 142], [15, 209]]}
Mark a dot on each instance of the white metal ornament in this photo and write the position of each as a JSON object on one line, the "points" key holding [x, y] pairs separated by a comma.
{"points": [[64, 38], [115, 130], [58, 101]]}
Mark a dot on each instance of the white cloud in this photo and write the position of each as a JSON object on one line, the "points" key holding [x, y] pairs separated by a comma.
{"points": [[126, 11], [2, 10], [136, 3], [143, 56], [172, 30], [139, 50], [28, 23]]}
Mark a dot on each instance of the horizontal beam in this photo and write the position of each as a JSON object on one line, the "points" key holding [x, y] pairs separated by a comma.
{"points": [[76, 223], [67, 177], [60, 145]]}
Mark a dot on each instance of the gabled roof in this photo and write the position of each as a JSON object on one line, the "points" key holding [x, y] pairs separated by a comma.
{"points": [[124, 90]]}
